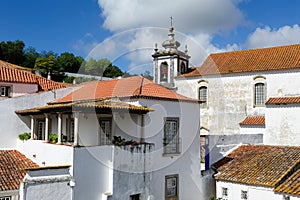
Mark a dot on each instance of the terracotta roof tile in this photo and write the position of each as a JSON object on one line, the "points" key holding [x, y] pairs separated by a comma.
{"points": [[126, 87], [283, 100], [291, 185], [253, 60], [254, 120], [95, 104], [12, 164], [257, 164], [16, 74]]}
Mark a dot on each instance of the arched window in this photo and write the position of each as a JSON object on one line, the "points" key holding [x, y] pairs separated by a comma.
{"points": [[203, 95], [259, 94], [182, 68], [164, 71]]}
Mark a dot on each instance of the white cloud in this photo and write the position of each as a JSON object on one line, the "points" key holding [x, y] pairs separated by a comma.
{"points": [[198, 19], [266, 37], [137, 46], [189, 15]]}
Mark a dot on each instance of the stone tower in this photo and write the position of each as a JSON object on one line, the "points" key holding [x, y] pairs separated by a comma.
{"points": [[169, 62]]}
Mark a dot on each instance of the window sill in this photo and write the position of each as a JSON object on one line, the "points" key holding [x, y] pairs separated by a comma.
{"points": [[171, 154], [259, 106]]}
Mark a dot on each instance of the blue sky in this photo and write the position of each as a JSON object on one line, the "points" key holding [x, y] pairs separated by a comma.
{"points": [[125, 30]]}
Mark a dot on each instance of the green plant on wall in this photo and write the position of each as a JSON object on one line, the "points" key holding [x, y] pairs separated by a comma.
{"points": [[119, 141], [24, 136], [53, 137]]}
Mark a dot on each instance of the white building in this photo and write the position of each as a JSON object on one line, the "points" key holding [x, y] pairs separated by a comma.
{"points": [[236, 85], [159, 161], [258, 172], [17, 81]]}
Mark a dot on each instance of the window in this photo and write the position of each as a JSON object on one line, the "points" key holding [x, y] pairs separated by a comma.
{"points": [[5, 198], [203, 95], [5, 92], [286, 197], [224, 193], [135, 197], [259, 94], [40, 129], [105, 131], [171, 185], [70, 130], [244, 194], [171, 136], [164, 71]]}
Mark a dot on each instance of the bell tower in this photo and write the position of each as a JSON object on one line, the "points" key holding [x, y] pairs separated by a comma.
{"points": [[169, 62]]}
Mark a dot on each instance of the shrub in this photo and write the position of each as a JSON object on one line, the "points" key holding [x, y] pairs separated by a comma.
{"points": [[53, 137], [24, 136]]}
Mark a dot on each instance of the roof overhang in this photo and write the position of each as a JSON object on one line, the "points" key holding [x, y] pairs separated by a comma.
{"points": [[90, 106]]}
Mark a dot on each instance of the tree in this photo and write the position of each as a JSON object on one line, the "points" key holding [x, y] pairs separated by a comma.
{"points": [[69, 63], [12, 52], [94, 67], [48, 66], [147, 75], [112, 71], [30, 56]]}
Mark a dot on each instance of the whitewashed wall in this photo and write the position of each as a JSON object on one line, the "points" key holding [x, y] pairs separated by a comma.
{"points": [[93, 172], [252, 129], [19, 89], [230, 97], [282, 125], [47, 184], [186, 164], [11, 124], [254, 192], [46, 154]]}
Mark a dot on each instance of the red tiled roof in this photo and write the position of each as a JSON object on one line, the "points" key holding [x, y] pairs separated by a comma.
{"points": [[291, 185], [13, 74], [12, 164], [257, 164], [126, 87], [253, 120], [253, 60], [284, 100]]}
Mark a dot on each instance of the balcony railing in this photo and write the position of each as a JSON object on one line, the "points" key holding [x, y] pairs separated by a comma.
{"points": [[138, 148]]}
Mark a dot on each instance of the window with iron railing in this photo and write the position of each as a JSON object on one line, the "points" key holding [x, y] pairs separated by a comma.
{"points": [[203, 95], [171, 141], [259, 94]]}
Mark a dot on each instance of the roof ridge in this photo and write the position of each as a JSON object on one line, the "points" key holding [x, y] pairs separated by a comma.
{"points": [[255, 49]]}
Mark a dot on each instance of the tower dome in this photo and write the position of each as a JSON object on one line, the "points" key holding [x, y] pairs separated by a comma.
{"points": [[171, 43]]}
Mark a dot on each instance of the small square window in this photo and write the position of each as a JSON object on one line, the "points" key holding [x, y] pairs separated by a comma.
{"points": [[224, 193], [4, 92], [171, 185], [244, 194], [135, 197], [286, 197], [5, 198]]}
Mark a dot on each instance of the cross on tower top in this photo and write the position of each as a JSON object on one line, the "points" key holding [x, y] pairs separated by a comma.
{"points": [[171, 20]]}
